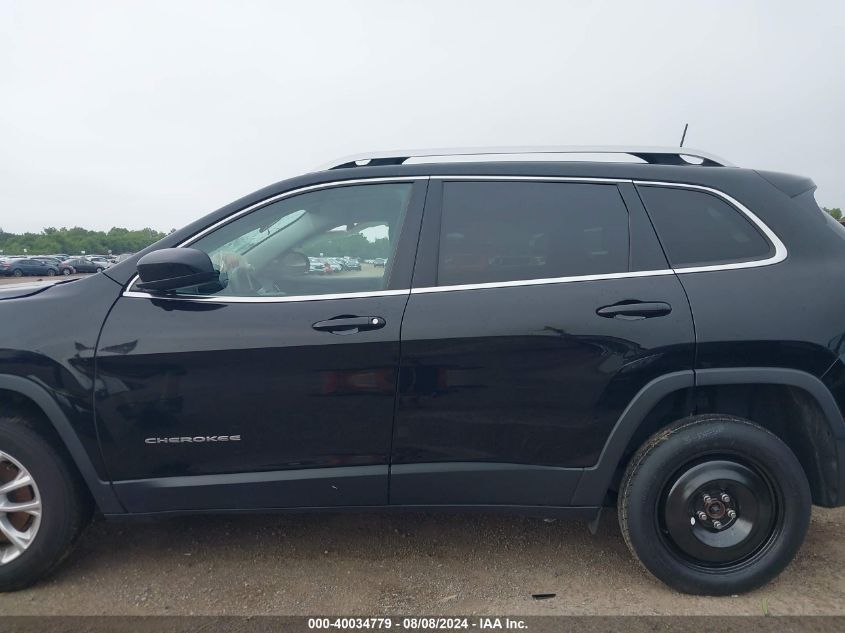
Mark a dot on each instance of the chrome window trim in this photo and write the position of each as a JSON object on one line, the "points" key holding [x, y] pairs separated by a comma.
{"points": [[288, 194], [263, 203], [542, 282], [298, 298], [779, 255]]}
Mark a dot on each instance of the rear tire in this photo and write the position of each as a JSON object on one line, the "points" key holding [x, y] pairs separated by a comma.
{"points": [[714, 505], [65, 506], [18, 272], [51, 272], [66, 271]]}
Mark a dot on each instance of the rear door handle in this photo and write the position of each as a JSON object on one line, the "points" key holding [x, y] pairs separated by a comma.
{"points": [[635, 310], [350, 324]]}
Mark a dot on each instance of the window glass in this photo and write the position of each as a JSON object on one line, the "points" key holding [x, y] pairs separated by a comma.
{"points": [[508, 231], [328, 241], [697, 228]]}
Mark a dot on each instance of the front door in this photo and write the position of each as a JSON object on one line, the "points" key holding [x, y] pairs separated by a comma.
{"points": [[538, 311], [278, 390]]}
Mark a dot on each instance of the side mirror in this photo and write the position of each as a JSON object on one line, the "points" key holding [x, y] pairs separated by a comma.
{"points": [[172, 268]]}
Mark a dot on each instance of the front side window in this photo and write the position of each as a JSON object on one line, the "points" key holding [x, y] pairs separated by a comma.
{"points": [[509, 231], [700, 229], [329, 241]]}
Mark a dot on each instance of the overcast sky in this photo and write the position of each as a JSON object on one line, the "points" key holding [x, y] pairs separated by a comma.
{"points": [[152, 113]]}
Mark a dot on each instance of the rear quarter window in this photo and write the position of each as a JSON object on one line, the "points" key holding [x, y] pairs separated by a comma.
{"points": [[700, 229]]}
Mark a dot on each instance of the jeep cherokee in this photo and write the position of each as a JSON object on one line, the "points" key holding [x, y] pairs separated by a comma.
{"points": [[661, 331]]}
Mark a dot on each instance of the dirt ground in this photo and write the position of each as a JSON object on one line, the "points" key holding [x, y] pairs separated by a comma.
{"points": [[399, 564]]}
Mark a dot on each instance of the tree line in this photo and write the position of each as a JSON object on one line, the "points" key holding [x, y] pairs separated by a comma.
{"points": [[75, 240], [350, 244]]}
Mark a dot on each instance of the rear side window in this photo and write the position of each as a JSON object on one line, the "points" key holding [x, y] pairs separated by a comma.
{"points": [[700, 229], [509, 231]]}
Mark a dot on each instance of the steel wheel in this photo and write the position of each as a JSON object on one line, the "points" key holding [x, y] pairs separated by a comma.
{"points": [[20, 509], [719, 513], [66, 271]]}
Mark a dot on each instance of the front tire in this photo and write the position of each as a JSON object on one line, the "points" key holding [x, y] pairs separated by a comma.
{"points": [[18, 272], [43, 506], [714, 505]]}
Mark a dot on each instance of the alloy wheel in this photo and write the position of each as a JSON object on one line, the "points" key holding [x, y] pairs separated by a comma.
{"points": [[20, 509]]}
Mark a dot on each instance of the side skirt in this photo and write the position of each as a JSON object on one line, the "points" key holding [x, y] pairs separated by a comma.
{"points": [[585, 513], [307, 487], [487, 483]]}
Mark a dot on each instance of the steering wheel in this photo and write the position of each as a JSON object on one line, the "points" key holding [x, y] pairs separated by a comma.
{"points": [[244, 282]]}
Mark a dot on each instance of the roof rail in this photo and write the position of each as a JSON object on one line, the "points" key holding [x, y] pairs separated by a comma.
{"points": [[651, 155]]}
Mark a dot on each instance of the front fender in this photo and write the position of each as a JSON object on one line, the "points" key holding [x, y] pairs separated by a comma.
{"points": [[101, 490]]}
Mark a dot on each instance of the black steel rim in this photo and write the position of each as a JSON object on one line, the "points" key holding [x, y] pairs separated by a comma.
{"points": [[719, 512]]}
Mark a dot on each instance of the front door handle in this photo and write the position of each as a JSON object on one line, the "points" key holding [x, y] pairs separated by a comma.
{"points": [[350, 324], [635, 310]]}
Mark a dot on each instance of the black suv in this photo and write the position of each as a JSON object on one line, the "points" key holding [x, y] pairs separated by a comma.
{"points": [[546, 337]]}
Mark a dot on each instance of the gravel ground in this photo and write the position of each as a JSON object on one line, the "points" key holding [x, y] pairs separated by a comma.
{"points": [[399, 564]]}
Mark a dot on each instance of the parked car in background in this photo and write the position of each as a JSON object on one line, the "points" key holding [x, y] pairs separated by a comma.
{"points": [[351, 263], [318, 265], [334, 264], [49, 260], [26, 267], [82, 265], [65, 268], [338, 262], [380, 262]]}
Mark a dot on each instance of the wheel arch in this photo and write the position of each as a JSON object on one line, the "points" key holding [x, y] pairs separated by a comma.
{"points": [[818, 440], [40, 399]]}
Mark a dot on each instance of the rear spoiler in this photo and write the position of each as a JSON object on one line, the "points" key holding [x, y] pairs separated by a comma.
{"points": [[789, 184]]}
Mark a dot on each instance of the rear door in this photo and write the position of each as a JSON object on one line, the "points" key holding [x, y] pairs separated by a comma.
{"points": [[538, 310], [279, 390]]}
